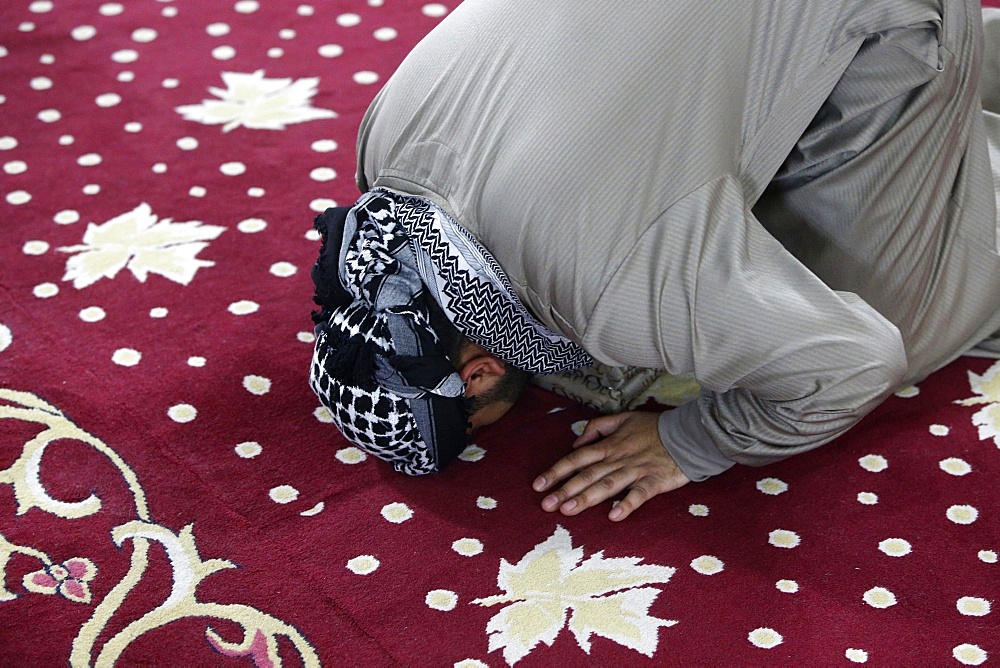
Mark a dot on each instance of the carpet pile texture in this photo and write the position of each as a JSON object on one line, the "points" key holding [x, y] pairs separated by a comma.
{"points": [[171, 493]]}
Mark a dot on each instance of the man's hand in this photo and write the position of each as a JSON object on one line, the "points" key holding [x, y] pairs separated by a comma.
{"points": [[613, 453]]}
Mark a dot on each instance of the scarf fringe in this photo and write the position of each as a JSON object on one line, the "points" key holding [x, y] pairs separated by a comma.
{"points": [[352, 360]]}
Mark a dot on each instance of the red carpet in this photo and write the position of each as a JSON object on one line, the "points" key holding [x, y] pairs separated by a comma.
{"points": [[170, 494]]}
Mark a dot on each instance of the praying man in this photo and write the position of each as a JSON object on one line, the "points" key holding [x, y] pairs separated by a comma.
{"points": [[791, 200]]}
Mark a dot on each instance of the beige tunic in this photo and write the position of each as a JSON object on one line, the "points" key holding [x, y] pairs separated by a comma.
{"points": [[790, 199]]}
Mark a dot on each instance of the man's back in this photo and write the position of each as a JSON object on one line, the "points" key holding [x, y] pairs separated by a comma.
{"points": [[559, 132], [611, 161]]}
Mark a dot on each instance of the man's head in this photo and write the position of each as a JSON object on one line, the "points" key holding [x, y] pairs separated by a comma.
{"points": [[413, 407], [399, 379], [492, 386]]}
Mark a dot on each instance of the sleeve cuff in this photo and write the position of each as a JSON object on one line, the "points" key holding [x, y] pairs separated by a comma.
{"points": [[687, 442]]}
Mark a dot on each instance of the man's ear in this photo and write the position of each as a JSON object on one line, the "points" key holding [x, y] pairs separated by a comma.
{"points": [[480, 374]]}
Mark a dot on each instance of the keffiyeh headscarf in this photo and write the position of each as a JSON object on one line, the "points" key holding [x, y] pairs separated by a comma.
{"points": [[379, 367]]}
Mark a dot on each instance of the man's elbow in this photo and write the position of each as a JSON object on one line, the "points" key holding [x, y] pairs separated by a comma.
{"points": [[867, 374], [885, 362], [866, 371]]}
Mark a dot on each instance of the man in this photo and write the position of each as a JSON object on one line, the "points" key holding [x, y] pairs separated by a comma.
{"points": [[790, 199]]}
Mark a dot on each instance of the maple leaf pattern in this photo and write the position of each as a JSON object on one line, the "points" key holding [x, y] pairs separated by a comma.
{"points": [[607, 597], [987, 389], [144, 244], [258, 103]]}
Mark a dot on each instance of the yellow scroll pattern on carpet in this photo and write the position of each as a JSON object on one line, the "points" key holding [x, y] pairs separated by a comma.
{"points": [[70, 579]]}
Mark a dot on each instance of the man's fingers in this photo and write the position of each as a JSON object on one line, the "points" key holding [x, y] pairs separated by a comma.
{"points": [[568, 465], [590, 487], [624, 452], [643, 490], [600, 427], [638, 495]]}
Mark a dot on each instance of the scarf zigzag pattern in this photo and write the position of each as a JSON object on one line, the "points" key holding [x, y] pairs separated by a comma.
{"points": [[496, 321]]}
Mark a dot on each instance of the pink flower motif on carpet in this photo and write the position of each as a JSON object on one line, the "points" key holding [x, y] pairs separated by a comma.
{"points": [[68, 579], [257, 647]]}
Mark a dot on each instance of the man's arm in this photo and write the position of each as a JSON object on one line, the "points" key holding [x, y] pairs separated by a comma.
{"points": [[787, 363]]}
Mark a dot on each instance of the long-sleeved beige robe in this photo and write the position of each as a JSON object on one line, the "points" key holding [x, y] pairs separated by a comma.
{"points": [[790, 199]]}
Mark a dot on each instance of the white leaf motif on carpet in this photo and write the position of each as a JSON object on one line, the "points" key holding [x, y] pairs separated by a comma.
{"points": [[607, 597], [987, 387], [144, 244], [258, 103]]}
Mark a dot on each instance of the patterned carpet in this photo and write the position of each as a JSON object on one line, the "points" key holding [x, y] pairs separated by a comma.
{"points": [[171, 493]]}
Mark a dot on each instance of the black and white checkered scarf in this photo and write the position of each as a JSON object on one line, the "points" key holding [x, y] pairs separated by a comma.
{"points": [[378, 365]]}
